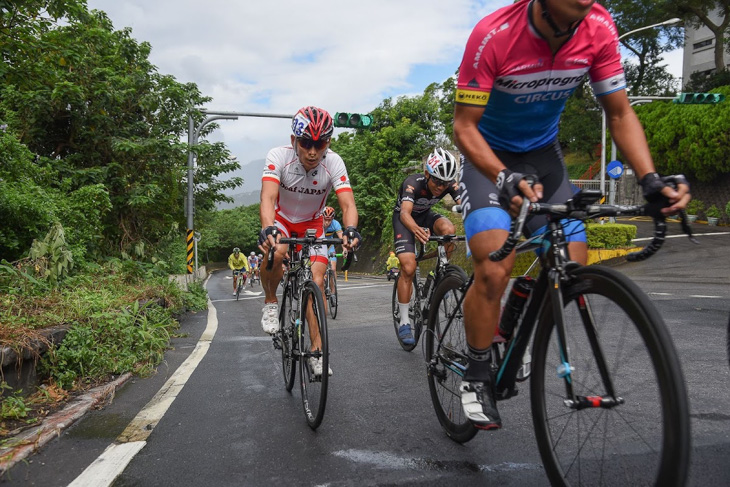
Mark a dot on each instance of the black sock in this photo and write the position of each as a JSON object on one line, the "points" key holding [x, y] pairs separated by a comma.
{"points": [[478, 365]]}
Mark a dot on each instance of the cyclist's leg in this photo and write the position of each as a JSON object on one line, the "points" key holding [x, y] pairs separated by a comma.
{"points": [[270, 281], [441, 225], [234, 273]]}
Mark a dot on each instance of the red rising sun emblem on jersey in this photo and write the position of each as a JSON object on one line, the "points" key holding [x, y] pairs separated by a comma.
{"points": [[423, 192], [314, 183], [398, 236], [343, 179], [272, 167]]}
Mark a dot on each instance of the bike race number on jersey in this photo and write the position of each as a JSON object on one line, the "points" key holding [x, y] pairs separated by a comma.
{"points": [[302, 193], [509, 69]]}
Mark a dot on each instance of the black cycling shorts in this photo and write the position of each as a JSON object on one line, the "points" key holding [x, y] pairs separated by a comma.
{"points": [[480, 197], [403, 239]]}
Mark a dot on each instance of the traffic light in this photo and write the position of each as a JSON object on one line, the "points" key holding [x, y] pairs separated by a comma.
{"points": [[353, 120], [699, 98]]}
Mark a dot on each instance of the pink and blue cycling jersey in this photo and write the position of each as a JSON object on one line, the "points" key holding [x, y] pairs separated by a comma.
{"points": [[509, 69]]}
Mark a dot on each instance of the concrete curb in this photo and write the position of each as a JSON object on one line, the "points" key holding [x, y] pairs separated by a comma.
{"points": [[30, 441]]}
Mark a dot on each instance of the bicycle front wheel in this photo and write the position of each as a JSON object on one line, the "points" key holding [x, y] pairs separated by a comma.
{"points": [[446, 351], [628, 420], [332, 298], [313, 345]]}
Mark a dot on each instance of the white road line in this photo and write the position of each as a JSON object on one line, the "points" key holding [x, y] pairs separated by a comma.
{"points": [[679, 236], [112, 462], [701, 296], [660, 294]]}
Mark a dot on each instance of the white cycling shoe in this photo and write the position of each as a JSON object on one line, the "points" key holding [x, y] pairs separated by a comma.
{"points": [[270, 319], [315, 365]]}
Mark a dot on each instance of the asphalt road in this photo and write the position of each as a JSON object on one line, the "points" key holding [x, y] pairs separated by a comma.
{"points": [[233, 423]]}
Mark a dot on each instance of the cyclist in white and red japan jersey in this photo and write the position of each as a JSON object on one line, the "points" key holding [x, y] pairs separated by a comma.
{"points": [[294, 187], [302, 193], [520, 65]]}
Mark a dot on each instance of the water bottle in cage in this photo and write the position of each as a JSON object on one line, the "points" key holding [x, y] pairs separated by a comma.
{"points": [[516, 300]]}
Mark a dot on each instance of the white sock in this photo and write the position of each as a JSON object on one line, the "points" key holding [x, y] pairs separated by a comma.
{"points": [[403, 313]]}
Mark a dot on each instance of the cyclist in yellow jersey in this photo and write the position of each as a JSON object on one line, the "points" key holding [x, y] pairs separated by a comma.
{"points": [[236, 262]]}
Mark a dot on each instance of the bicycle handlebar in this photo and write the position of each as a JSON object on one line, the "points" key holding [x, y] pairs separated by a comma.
{"points": [[309, 241], [441, 239], [576, 208]]}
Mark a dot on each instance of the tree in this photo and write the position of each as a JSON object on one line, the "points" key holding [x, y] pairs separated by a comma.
{"points": [[646, 76], [697, 13], [85, 98]]}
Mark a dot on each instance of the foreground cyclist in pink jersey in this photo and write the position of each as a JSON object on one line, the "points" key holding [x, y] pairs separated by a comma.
{"points": [[296, 181], [520, 65]]}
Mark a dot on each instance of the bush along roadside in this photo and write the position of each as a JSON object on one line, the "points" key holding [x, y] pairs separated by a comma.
{"points": [[119, 318]]}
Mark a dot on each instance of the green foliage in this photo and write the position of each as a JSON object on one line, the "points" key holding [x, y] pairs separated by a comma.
{"points": [[51, 256], [609, 235], [225, 229], [196, 298], [713, 212], [13, 406], [580, 124], [727, 209], [695, 207], [403, 133], [114, 342], [702, 83], [689, 139]]}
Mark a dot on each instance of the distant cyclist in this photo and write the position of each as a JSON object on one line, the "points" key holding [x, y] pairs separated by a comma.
{"points": [[414, 220], [237, 262], [332, 228], [253, 264]]}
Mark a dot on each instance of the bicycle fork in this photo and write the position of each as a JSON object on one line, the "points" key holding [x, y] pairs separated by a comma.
{"points": [[565, 369]]}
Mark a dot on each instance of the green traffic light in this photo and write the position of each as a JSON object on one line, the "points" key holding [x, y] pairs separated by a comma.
{"points": [[699, 98], [353, 120]]}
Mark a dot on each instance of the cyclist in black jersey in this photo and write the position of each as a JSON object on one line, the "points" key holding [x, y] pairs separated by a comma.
{"points": [[414, 220]]}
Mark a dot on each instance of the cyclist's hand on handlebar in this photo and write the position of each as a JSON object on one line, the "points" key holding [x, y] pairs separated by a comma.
{"points": [[666, 195], [351, 238], [422, 234], [268, 238], [513, 186]]}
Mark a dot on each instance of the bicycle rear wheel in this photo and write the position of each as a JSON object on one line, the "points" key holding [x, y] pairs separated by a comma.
{"points": [[289, 340], [314, 322], [332, 297], [446, 357], [617, 346], [396, 315]]}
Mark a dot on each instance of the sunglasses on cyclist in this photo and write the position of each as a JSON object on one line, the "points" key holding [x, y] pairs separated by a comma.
{"points": [[307, 144], [440, 182]]}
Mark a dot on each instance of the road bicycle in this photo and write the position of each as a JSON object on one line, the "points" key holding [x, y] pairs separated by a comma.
{"points": [[240, 274], [607, 393], [422, 289], [302, 335]]}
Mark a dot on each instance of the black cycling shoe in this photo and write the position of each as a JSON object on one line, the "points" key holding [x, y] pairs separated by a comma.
{"points": [[477, 399]]}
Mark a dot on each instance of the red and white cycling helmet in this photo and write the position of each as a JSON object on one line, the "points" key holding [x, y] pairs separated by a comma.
{"points": [[312, 123], [441, 164]]}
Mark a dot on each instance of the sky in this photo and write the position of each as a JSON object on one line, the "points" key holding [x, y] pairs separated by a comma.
{"points": [[277, 56]]}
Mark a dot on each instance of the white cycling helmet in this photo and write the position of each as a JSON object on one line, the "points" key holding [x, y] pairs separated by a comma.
{"points": [[441, 164]]}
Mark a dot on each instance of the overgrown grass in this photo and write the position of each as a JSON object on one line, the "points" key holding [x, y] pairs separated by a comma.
{"points": [[120, 317]]}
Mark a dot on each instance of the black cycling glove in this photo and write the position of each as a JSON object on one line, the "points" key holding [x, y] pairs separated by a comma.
{"points": [[265, 232], [352, 234], [508, 185], [652, 185]]}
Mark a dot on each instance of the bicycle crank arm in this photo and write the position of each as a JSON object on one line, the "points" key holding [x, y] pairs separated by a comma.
{"points": [[583, 402]]}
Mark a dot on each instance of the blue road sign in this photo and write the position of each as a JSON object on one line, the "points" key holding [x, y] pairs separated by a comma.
{"points": [[614, 169]]}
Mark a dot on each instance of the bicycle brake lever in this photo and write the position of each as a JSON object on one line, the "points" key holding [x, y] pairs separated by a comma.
{"points": [[686, 228]]}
